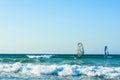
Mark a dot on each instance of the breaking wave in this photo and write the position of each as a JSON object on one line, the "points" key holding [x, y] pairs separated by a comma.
{"points": [[39, 56], [60, 70]]}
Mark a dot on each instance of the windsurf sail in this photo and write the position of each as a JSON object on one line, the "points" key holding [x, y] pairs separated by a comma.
{"points": [[80, 50]]}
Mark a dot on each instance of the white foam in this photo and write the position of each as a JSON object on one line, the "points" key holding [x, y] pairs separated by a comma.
{"points": [[39, 56], [61, 70]]}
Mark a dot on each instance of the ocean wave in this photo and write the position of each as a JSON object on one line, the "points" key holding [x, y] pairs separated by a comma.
{"points": [[39, 56], [61, 70]]}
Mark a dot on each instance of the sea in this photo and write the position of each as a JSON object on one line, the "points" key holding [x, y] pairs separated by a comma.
{"points": [[59, 67]]}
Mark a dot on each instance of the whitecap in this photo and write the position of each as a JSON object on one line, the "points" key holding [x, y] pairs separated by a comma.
{"points": [[61, 70], [39, 56]]}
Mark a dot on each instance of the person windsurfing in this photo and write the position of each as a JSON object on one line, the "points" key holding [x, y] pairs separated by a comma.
{"points": [[80, 49], [106, 52]]}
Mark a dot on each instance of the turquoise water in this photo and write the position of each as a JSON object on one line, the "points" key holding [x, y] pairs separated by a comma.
{"points": [[59, 67]]}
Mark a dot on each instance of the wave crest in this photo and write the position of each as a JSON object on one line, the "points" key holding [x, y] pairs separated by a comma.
{"points": [[39, 56], [61, 70]]}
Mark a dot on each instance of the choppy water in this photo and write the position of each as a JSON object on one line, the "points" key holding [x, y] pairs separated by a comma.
{"points": [[59, 67]]}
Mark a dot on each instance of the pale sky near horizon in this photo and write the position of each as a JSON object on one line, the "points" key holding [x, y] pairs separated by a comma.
{"points": [[55, 26]]}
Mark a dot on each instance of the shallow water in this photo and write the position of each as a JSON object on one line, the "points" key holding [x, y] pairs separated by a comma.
{"points": [[59, 67]]}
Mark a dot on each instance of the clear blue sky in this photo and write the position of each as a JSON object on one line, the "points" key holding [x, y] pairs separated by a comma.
{"points": [[55, 26]]}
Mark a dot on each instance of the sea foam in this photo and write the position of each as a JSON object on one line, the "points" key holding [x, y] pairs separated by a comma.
{"points": [[39, 56], [60, 70]]}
